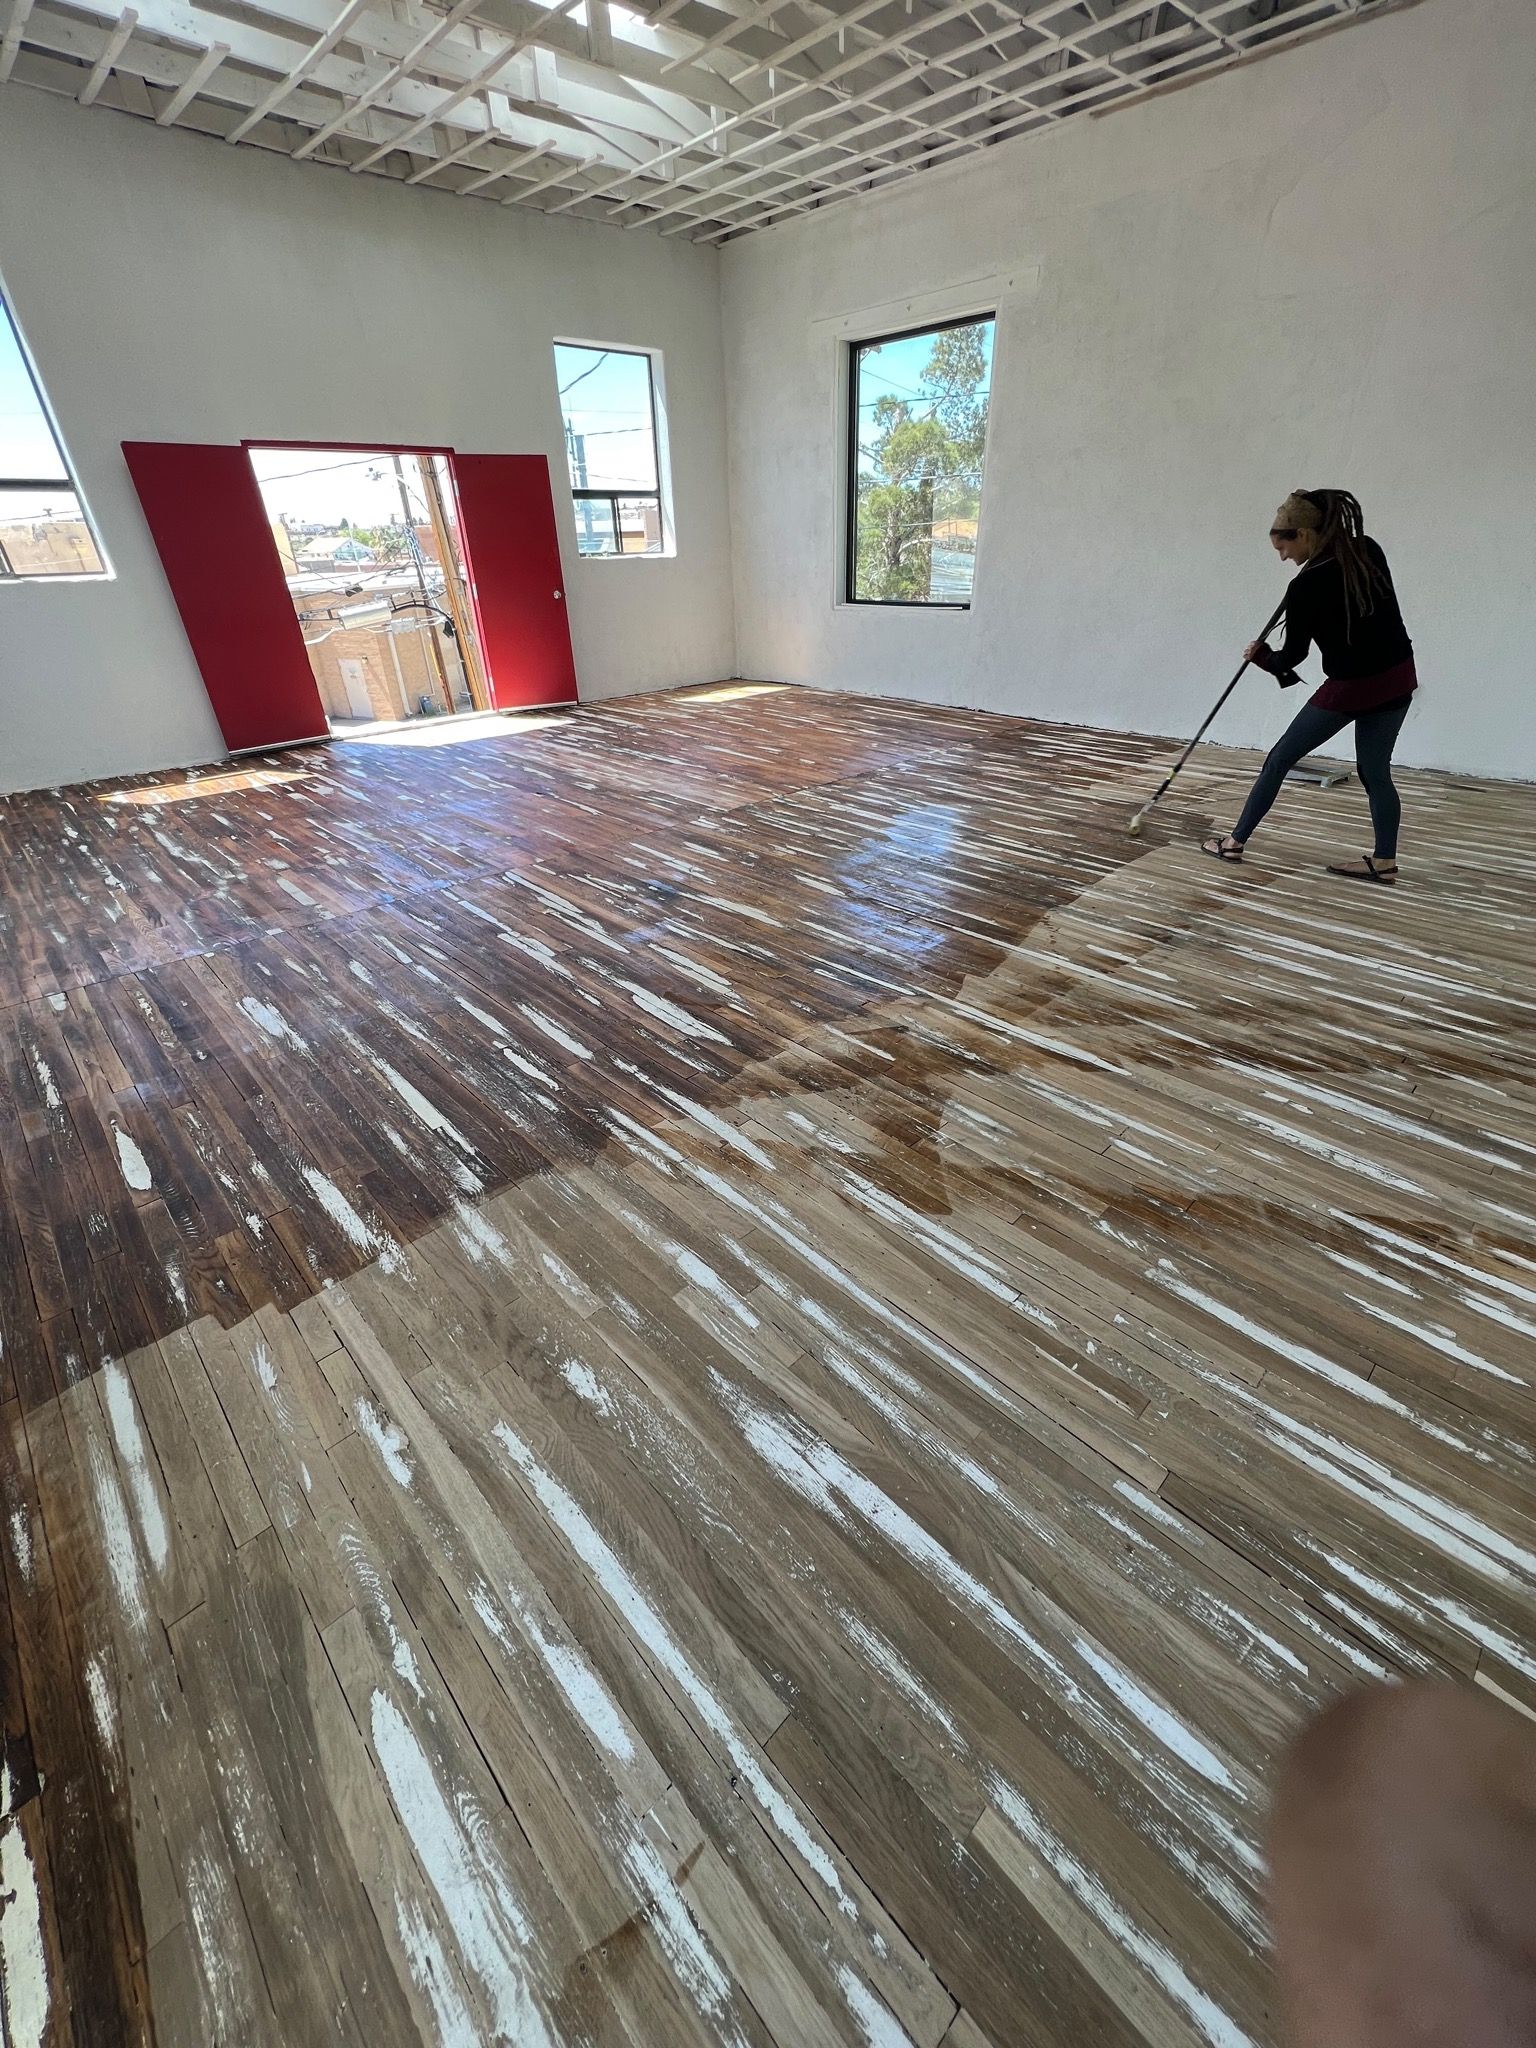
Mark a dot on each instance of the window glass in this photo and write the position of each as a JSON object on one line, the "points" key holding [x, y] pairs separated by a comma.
{"points": [[608, 410], [43, 526], [596, 526], [640, 526], [917, 432]]}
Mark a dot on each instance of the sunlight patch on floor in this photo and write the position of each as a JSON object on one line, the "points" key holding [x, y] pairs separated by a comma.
{"points": [[455, 732], [152, 795], [728, 693]]}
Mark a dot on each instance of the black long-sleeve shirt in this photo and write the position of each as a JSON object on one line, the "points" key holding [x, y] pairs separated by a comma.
{"points": [[1352, 643]]}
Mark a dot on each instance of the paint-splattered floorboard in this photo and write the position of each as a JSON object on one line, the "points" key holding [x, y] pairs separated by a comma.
{"points": [[722, 1373]]}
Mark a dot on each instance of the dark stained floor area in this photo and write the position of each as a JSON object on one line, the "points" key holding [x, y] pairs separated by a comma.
{"points": [[256, 1020]]}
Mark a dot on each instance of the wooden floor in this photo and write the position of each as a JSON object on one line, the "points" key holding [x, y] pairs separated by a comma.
{"points": [[721, 1373]]}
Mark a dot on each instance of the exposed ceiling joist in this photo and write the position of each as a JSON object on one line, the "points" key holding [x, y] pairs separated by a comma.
{"points": [[476, 82], [194, 82], [10, 36], [111, 50], [926, 111], [403, 68], [305, 67], [156, 52], [709, 118]]}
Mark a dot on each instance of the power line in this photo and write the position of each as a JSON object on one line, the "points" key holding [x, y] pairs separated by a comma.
{"points": [[564, 388], [320, 469]]}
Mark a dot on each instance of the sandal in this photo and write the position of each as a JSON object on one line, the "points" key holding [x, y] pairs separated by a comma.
{"points": [[1221, 847], [1366, 871]]}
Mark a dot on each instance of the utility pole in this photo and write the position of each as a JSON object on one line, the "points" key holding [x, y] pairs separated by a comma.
{"points": [[576, 454], [427, 605], [453, 589]]}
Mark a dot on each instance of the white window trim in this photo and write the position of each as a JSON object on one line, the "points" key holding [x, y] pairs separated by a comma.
{"points": [[668, 549], [990, 296], [106, 573]]}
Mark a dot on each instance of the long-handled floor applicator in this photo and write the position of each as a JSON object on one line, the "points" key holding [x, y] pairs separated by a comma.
{"points": [[1163, 787]]}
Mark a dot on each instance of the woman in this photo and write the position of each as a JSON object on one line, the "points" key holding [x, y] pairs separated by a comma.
{"points": [[1341, 598]]}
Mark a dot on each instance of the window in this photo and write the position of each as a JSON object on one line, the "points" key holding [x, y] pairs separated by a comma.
{"points": [[917, 433], [612, 444], [44, 530]]}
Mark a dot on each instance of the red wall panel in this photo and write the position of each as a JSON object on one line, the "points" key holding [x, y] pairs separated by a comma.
{"points": [[210, 526], [512, 555]]}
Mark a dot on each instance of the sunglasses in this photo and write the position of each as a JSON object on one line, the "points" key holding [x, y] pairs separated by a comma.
{"points": [[1284, 532]]}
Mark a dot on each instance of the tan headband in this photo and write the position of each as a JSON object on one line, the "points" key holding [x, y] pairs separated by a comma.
{"points": [[1301, 512]]}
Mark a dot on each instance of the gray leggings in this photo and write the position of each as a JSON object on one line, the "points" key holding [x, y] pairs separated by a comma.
{"points": [[1375, 736]]}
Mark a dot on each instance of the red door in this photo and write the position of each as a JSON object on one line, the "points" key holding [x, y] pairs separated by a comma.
{"points": [[512, 556], [210, 526]]}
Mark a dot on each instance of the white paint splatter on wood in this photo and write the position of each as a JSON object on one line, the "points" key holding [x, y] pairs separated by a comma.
{"points": [[353, 1227], [434, 1974], [456, 1851], [131, 1162], [426, 1111], [552, 1030], [1210, 2020], [479, 1236], [777, 1809], [671, 1013], [103, 1708], [117, 1537], [387, 1439], [21, 1542], [877, 2023], [133, 1453], [25, 1995], [46, 1083], [895, 1669], [272, 1022]]}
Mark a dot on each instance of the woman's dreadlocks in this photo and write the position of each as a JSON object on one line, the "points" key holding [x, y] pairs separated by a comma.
{"points": [[1336, 518]]}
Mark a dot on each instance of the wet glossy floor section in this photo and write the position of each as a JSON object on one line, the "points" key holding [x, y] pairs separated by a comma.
{"points": [[720, 1373]]}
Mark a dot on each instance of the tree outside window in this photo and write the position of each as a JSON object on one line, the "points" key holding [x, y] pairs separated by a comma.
{"points": [[917, 439]]}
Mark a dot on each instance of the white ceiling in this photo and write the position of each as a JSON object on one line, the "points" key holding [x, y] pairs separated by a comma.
{"points": [[704, 118]]}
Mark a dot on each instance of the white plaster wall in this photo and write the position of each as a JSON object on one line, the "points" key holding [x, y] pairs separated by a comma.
{"points": [[1318, 269], [172, 288]]}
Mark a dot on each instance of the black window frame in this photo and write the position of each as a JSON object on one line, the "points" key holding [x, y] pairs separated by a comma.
{"points": [[613, 499], [851, 470]]}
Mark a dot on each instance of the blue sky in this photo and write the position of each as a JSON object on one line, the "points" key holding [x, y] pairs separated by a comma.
{"points": [[26, 441], [894, 369], [605, 395], [323, 487]]}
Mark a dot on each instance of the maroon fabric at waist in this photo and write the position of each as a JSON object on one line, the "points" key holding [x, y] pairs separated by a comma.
{"points": [[1367, 693]]}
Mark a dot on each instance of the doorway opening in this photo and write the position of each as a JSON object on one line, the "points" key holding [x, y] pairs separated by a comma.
{"points": [[371, 553]]}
